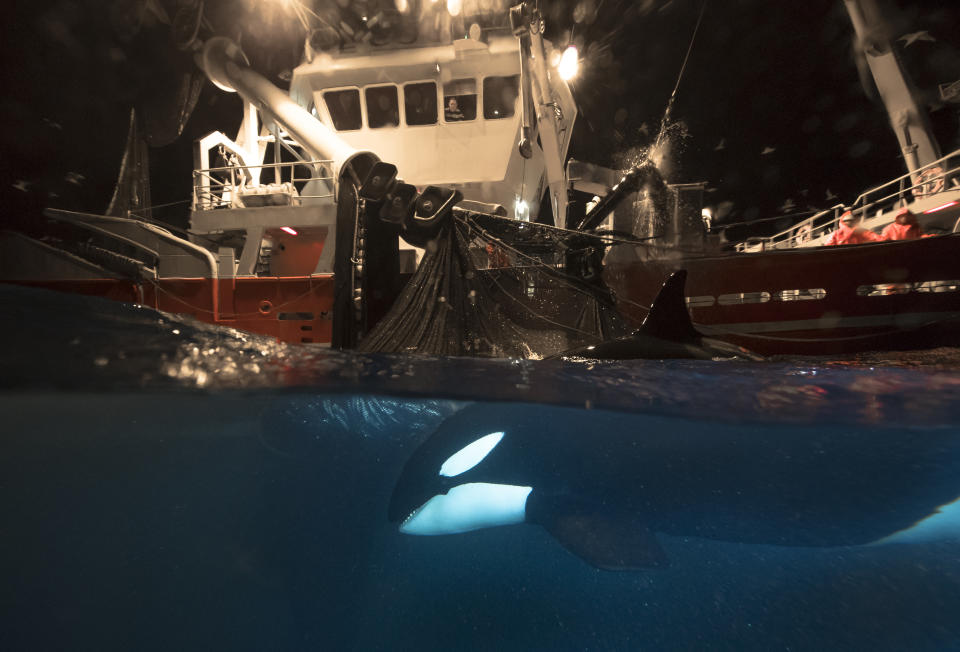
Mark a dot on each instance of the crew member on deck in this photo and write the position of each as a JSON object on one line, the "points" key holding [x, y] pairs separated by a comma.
{"points": [[903, 227], [452, 112], [850, 232]]}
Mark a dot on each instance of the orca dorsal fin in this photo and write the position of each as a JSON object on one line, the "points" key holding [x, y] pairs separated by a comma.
{"points": [[668, 318]]}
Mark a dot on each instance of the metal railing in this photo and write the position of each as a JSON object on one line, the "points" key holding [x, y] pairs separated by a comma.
{"points": [[936, 177], [246, 186]]}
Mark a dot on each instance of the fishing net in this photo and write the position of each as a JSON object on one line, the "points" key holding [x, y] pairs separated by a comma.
{"points": [[493, 287], [131, 194]]}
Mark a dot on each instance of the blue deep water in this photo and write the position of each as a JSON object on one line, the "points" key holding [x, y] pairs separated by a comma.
{"points": [[168, 485]]}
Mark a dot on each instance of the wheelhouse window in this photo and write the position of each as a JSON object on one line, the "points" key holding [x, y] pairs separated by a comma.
{"points": [[344, 108], [420, 103], [383, 108], [460, 100], [500, 96]]}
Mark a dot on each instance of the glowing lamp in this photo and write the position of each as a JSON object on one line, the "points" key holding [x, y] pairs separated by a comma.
{"points": [[521, 210], [287, 229], [568, 66]]}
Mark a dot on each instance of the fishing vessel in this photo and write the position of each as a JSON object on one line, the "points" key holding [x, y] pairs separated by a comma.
{"points": [[307, 222], [279, 242], [791, 293]]}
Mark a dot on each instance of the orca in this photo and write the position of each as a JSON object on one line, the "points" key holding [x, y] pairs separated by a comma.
{"points": [[666, 332], [605, 484]]}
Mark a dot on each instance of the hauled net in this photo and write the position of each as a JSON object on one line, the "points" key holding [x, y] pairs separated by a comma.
{"points": [[494, 287]]}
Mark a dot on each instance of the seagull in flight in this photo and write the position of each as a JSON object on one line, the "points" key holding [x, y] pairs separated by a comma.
{"points": [[913, 37], [74, 177], [721, 145], [830, 196], [768, 150]]}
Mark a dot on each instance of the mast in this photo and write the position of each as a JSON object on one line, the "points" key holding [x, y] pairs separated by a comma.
{"points": [[909, 122]]}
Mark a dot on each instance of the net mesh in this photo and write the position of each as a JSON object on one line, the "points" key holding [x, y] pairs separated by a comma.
{"points": [[131, 194], [493, 287]]}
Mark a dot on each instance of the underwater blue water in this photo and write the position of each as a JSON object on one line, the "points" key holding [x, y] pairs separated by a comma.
{"points": [[168, 485]]}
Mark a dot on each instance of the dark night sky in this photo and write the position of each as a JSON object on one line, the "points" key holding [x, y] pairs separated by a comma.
{"points": [[771, 103]]}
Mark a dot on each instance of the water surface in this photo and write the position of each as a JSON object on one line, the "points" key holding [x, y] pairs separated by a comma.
{"points": [[169, 485]]}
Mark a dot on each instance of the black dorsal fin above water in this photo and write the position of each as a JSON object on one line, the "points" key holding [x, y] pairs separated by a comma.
{"points": [[667, 332], [668, 318]]}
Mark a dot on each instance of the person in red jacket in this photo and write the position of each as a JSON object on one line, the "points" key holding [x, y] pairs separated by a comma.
{"points": [[850, 233], [903, 227]]}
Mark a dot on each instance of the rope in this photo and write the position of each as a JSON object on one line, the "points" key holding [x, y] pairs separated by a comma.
{"points": [[170, 227], [603, 237], [172, 203], [538, 315], [572, 281], [673, 95]]}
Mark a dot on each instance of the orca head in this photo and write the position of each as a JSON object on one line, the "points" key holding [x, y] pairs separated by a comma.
{"points": [[447, 487]]}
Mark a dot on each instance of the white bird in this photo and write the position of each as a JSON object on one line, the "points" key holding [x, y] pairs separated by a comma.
{"points": [[74, 177], [830, 196], [913, 37], [768, 150], [721, 145], [21, 185]]}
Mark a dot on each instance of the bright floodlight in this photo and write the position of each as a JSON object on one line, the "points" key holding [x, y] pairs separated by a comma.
{"points": [[521, 209], [454, 7], [568, 64]]}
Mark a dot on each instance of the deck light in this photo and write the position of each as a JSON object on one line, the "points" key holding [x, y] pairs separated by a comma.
{"points": [[454, 7], [940, 208], [287, 229], [521, 210], [569, 64]]}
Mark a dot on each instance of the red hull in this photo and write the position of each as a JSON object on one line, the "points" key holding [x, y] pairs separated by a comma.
{"points": [[292, 309], [823, 300]]}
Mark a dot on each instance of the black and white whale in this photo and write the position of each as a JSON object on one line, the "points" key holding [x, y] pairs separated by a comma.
{"points": [[666, 332], [605, 483]]}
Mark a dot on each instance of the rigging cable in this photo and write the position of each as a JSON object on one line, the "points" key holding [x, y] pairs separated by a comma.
{"points": [[673, 95]]}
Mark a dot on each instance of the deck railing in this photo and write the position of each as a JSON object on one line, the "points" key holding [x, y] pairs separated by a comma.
{"points": [[270, 184], [938, 176]]}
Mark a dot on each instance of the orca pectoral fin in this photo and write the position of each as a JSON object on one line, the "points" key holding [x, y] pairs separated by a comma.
{"points": [[608, 542]]}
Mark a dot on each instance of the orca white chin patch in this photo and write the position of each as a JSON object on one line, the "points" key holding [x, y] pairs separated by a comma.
{"points": [[467, 507]]}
